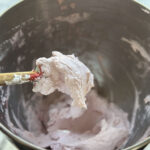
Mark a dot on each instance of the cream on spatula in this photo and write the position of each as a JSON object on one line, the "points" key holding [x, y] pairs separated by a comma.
{"points": [[66, 74]]}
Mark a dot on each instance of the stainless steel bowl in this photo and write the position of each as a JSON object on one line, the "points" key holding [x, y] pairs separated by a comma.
{"points": [[111, 37]]}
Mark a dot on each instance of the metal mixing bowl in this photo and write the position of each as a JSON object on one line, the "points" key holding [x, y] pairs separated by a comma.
{"points": [[112, 37]]}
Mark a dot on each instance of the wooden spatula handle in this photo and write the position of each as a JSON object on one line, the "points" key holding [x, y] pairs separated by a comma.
{"points": [[15, 77]]}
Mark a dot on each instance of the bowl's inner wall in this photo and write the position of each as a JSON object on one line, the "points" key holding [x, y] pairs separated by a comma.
{"points": [[111, 41]]}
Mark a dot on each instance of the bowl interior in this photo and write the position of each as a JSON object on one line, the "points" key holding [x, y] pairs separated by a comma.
{"points": [[112, 42]]}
